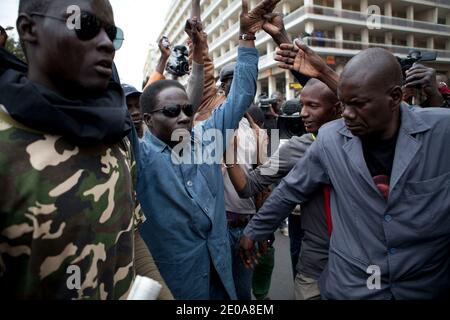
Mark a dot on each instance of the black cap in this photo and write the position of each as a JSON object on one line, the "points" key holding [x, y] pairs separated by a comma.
{"points": [[227, 71], [130, 90], [291, 106]]}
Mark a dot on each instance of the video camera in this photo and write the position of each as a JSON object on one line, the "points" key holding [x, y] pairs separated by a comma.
{"points": [[178, 63], [265, 103], [290, 123], [413, 57]]}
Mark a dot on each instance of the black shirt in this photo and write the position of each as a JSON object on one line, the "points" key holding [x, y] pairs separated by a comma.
{"points": [[379, 156]]}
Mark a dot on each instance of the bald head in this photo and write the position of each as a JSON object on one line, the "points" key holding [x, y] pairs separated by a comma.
{"points": [[370, 90], [374, 67], [321, 91]]}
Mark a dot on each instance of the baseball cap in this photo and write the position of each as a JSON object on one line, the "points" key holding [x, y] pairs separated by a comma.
{"points": [[227, 71], [130, 90]]}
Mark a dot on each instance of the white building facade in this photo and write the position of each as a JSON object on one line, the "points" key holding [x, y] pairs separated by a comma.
{"points": [[338, 30]]}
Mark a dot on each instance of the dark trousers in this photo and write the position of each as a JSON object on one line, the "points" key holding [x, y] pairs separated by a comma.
{"points": [[295, 237]]}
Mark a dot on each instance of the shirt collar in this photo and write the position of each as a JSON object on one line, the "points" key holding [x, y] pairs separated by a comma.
{"points": [[154, 142]]}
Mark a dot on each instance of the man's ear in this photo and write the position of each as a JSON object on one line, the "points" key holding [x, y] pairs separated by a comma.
{"points": [[26, 27], [338, 109], [397, 97], [148, 119]]}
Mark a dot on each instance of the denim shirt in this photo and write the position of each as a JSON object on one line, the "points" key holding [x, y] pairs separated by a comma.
{"points": [[399, 248], [186, 228]]}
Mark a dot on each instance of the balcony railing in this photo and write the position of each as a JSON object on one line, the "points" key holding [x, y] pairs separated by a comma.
{"points": [[315, 42], [384, 20], [223, 16], [334, 46], [233, 30], [223, 59], [431, 2]]}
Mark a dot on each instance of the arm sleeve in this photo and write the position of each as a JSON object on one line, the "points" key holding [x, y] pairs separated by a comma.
{"points": [[209, 92], [277, 167], [155, 76], [242, 93], [297, 187], [302, 79], [146, 266], [196, 84]]}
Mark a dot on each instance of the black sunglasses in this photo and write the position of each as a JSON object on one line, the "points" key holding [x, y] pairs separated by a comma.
{"points": [[175, 110], [91, 26]]}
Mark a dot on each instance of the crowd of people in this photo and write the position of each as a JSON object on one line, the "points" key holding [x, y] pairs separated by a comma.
{"points": [[182, 184]]}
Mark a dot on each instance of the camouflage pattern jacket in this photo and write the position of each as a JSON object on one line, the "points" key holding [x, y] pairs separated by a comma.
{"points": [[67, 216]]}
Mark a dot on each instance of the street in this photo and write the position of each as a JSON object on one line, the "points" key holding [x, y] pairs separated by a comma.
{"points": [[282, 287]]}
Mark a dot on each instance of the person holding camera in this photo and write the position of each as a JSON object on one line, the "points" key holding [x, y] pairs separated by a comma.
{"points": [[421, 87], [197, 41]]}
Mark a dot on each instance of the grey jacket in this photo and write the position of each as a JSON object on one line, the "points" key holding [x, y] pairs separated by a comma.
{"points": [[277, 167], [406, 238], [314, 254]]}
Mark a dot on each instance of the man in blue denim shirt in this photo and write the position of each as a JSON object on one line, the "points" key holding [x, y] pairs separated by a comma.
{"points": [[183, 200]]}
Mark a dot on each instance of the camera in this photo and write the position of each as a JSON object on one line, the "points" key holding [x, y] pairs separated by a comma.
{"points": [[178, 63], [413, 57], [290, 123], [165, 42], [265, 103]]}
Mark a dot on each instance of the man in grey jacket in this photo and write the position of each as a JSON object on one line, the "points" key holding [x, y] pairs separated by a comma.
{"points": [[390, 200], [320, 105]]}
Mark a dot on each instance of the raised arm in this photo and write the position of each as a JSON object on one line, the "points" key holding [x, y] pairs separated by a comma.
{"points": [[196, 10], [297, 187], [274, 26], [196, 82], [301, 58], [165, 49], [424, 78], [243, 88]]}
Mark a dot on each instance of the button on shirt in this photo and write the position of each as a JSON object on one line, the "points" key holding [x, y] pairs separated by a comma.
{"points": [[186, 227], [406, 236]]}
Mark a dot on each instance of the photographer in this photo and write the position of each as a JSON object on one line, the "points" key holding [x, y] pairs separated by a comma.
{"points": [[197, 41], [421, 84]]}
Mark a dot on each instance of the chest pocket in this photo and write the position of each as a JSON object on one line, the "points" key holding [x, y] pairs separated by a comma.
{"points": [[209, 173], [429, 186], [429, 201]]}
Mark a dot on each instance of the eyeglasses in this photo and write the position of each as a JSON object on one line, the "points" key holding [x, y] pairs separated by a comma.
{"points": [[175, 110], [91, 26]]}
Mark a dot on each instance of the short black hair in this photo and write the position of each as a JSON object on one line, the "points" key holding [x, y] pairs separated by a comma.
{"points": [[2, 31], [149, 98], [28, 6]]}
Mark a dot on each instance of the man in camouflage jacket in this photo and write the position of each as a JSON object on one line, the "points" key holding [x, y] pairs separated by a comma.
{"points": [[68, 214]]}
